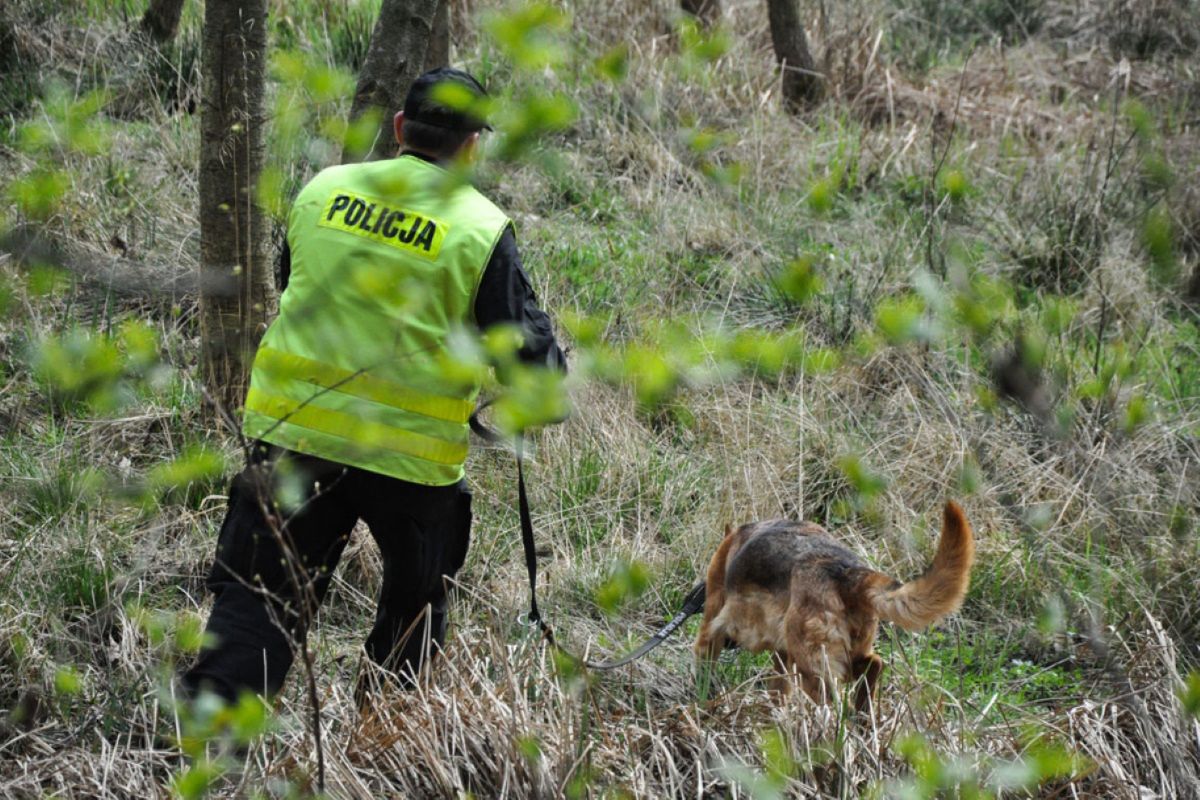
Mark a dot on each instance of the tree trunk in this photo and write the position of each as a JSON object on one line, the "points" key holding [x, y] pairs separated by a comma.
{"points": [[161, 19], [394, 59], [802, 85], [438, 53], [706, 12], [234, 285]]}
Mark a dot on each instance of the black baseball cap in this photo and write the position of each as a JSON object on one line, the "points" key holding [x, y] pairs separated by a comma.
{"points": [[422, 104]]}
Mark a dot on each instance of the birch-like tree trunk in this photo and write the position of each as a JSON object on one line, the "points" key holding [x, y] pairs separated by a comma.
{"points": [[235, 278], [394, 60], [802, 85]]}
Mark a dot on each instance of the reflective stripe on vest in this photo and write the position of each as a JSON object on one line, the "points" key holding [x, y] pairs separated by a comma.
{"points": [[361, 384], [353, 428], [386, 259]]}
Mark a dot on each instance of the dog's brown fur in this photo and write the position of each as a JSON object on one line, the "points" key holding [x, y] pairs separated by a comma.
{"points": [[787, 587]]}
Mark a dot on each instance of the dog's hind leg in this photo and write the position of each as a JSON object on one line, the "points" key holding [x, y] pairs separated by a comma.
{"points": [[867, 670], [818, 646]]}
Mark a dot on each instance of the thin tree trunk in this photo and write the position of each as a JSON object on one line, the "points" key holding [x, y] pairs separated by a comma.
{"points": [[394, 59], [438, 53], [161, 19], [234, 271], [706, 12], [802, 85], [1193, 288]]}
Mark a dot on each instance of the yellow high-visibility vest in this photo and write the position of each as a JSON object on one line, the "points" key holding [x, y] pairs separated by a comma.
{"points": [[386, 261]]}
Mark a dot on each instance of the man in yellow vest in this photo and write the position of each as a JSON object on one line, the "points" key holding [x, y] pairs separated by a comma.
{"points": [[351, 408]]}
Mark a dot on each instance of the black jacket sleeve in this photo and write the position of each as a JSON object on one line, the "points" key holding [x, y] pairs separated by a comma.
{"points": [[506, 296], [283, 267]]}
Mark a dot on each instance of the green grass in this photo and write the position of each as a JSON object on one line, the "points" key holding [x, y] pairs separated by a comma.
{"points": [[991, 675], [1085, 579]]}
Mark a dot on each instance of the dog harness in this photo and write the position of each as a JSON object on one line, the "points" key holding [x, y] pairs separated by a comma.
{"points": [[357, 368]]}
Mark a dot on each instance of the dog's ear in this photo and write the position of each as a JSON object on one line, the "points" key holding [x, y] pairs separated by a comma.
{"points": [[728, 530]]}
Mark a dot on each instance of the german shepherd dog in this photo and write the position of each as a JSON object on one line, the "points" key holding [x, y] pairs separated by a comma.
{"points": [[787, 587]]}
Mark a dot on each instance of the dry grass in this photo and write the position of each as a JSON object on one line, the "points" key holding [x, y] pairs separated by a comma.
{"points": [[1076, 531]]}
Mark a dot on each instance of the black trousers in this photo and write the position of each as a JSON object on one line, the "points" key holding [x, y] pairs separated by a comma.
{"points": [[289, 519]]}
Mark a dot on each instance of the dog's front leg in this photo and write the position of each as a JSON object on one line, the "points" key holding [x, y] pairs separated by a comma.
{"points": [[706, 649], [709, 643]]}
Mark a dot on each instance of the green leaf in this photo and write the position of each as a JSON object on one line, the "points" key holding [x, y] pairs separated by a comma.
{"points": [[67, 681], [197, 464], [529, 34], [654, 378], [249, 718], [613, 66], [270, 192], [899, 319], [699, 44], [703, 140], [866, 484], [724, 175], [189, 633], [628, 582], [79, 367], [1189, 696], [800, 280], [139, 343], [1042, 762], [954, 184], [197, 779], [586, 330], [38, 194], [533, 396], [359, 135]]}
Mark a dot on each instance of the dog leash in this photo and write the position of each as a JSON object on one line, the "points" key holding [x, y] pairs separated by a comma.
{"points": [[693, 603]]}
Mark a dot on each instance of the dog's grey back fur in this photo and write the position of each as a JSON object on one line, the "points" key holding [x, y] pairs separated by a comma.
{"points": [[772, 550]]}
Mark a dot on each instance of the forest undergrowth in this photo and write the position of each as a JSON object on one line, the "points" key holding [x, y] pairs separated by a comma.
{"points": [[971, 272]]}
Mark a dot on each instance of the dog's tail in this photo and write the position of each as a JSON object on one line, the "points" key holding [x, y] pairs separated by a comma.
{"points": [[940, 590]]}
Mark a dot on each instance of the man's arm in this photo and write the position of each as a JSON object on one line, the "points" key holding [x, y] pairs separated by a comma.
{"points": [[506, 296]]}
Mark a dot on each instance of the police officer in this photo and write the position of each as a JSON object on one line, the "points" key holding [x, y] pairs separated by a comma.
{"points": [[351, 410]]}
